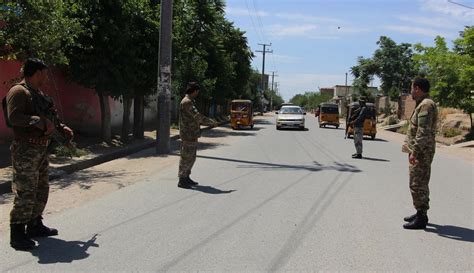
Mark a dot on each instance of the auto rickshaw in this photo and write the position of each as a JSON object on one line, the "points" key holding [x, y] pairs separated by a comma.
{"points": [[241, 114], [370, 122], [328, 114]]}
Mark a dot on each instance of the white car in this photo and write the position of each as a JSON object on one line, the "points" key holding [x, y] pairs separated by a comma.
{"points": [[290, 117]]}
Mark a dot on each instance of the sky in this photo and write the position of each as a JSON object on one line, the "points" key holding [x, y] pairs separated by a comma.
{"points": [[316, 42]]}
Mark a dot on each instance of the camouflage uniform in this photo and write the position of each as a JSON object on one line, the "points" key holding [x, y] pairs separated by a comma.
{"points": [[190, 121], [29, 156], [359, 129], [30, 181], [420, 142]]}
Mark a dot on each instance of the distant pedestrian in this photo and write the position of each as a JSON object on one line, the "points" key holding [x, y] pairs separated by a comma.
{"points": [[357, 122], [420, 145], [190, 121], [32, 135]]}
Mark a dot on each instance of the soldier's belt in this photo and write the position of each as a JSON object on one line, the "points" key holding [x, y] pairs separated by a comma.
{"points": [[36, 141]]}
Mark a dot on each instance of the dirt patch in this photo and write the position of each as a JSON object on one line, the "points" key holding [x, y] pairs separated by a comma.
{"points": [[454, 126]]}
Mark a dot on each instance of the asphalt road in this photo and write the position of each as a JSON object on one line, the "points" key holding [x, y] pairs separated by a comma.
{"points": [[268, 201]]}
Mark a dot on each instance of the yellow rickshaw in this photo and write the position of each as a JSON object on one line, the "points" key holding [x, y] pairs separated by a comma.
{"points": [[241, 114], [370, 122], [328, 114]]}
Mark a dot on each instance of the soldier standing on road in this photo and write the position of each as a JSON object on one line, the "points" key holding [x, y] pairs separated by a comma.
{"points": [[358, 124], [420, 145], [190, 121], [29, 155]]}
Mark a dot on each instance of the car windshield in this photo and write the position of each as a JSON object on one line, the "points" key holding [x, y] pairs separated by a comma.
{"points": [[291, 110], [240, 106]]}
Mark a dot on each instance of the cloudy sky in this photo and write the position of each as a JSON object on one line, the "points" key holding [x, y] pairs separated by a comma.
{"points": [[315, 42]]}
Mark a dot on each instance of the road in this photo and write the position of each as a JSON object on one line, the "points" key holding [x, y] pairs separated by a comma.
{"points": [[268, 201]]}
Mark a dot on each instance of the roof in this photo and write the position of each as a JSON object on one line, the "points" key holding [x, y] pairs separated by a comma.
{"points": [[329, 104], [356, 103]]}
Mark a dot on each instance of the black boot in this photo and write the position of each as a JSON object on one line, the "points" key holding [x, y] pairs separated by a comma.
{"points": [[18, 238], [357, 156], [36, 228], [184, 183], [409, 218], [419, 222], [192, 182]]}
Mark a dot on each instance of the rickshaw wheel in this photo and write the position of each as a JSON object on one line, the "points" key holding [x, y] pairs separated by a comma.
{"points": [[337, 126], [372, 137], [251, 126]]}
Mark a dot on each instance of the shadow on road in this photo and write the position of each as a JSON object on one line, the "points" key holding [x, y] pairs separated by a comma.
{"points": [[210, 190], [293, 129], [53, 250], [224, 133], [375, 159], [341, 167], [452, 232]]}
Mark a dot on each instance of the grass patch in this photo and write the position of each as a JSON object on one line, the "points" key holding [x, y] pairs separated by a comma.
{"points": [[62, 151], [451, 132]]}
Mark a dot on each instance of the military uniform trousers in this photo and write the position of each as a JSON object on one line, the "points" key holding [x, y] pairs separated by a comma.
{"points": [[30, 183], [358, 137], [188, 157], [419, 179]]}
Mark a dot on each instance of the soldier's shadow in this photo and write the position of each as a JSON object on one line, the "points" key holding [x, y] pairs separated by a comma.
{"points": [[53, 250], [452, 232], [210, 190]]}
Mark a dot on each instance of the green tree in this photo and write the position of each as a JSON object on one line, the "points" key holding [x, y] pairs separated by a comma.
{"points": [[451, 72], [310, 100], [120, 71], [392, 63], [38, 29]]}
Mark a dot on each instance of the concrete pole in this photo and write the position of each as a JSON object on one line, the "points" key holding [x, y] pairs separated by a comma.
{"points": [[164, 78]]}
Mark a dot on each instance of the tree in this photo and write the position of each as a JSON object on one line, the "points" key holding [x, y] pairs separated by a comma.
{"points": [[121, 71], [392, 63], [451, 72], [38, 29], [310, 100]]}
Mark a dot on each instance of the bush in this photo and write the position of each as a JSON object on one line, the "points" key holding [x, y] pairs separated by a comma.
{"points": [[62, 151], [391, 120], [451, 132]]}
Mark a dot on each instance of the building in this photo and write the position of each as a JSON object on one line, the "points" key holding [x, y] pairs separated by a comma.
{"points": [[327, 91]]}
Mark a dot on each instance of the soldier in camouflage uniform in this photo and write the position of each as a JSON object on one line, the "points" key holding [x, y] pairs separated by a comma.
{"points": [[190, 121], [358, 124], [420, 145], [29, 157]]}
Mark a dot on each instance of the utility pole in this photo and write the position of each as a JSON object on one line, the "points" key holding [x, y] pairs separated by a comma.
{"points": [[273, 91], [164, 78], [264, 51]]}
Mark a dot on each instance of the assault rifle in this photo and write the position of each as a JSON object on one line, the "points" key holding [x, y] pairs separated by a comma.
{"points": [[44, 107]]}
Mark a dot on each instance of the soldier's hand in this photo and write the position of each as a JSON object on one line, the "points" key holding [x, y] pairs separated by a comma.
{"points": [[412, 159], [69, 133]]}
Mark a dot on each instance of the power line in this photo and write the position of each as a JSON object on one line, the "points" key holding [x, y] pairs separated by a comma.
{"points": [[253, 24], [259, 20], [459, 4]]}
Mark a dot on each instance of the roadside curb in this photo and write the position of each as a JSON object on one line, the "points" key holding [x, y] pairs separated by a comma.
{"points": [[61, 171]]}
